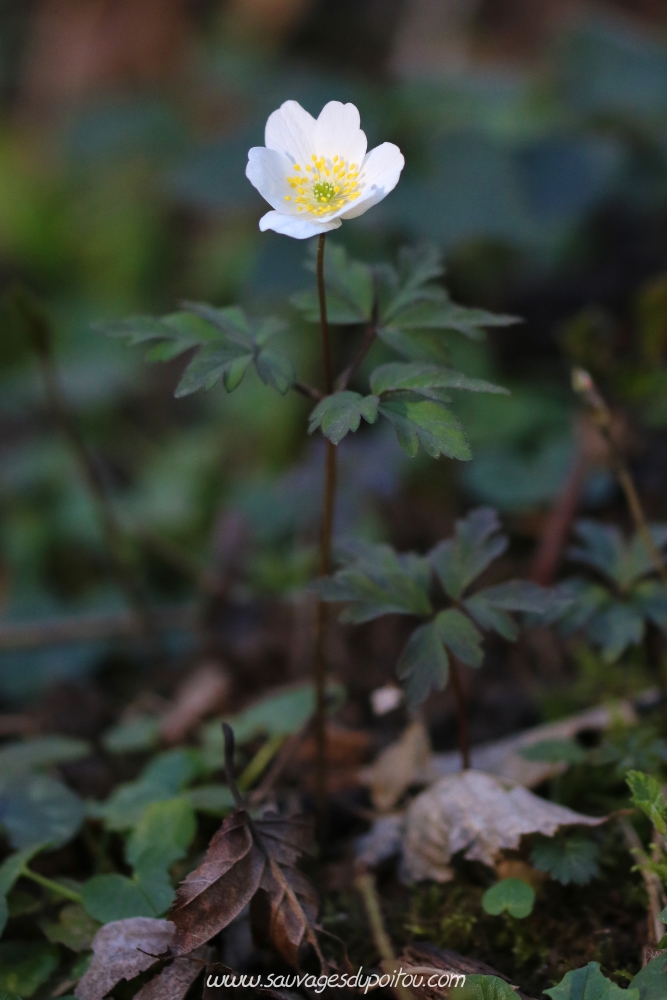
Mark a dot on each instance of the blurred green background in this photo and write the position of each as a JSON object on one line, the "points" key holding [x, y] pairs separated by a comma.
{"points": [[535, 138]]}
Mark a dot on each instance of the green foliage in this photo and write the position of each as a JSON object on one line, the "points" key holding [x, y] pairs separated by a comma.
{"points": [[646, 794], [613, 614], [590, 984], [570, 860], [555, 752], [163, 778], [161, 837], [37, 809], [341, 413], [651, 981], [39, 753], [227, 342], [74, 928], [133, 735], [279, 714], [10, 872], [374, 580], [485, 988], [349, 286], [511, 895], [25, 966]]}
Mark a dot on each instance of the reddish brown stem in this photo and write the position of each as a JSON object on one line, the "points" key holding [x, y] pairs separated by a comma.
{"points": [[558, 524], [326, 536], [461, 712]]}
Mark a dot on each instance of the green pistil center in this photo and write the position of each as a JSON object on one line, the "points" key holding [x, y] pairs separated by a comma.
{"points": [[323, 191]]}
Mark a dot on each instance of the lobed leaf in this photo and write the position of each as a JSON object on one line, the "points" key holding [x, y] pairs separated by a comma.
{"points": [[37, 809], [423, 664], [573, 860], [646, 794], [476, 543], [426, 423], [477, 987], [349, 285], [424, 378], [341, 413], [460, 636]]}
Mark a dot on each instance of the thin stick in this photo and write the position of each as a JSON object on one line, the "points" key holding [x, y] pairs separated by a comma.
{"points": [[364, 883], [89, 628], [654, 889], [461, 712], [584, 385], [40, 335], [326, 536]]}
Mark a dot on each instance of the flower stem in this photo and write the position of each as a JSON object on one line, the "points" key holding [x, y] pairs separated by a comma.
{"points": [[461, 711], [326, 536], [55, 887], [584, 385]]}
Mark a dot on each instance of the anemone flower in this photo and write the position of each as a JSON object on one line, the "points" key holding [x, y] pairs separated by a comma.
{"points": [[315, 173]]}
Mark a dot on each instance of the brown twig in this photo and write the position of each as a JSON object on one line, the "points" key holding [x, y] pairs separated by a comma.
{"points": [[584, 385], [461, 712], [558, 523], [89, 628], [40, 336], [309, 391], [653, 885], [326, 536], [364, 883]]}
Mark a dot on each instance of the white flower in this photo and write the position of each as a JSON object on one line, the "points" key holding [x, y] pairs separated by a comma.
{"points": [[315, 173]]}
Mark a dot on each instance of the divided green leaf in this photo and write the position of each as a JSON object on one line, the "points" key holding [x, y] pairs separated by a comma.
{"points": [[427, 423], [574, 859], [460, 636], [423, 664], [646, 794], [476, 543], [341, 413], [425, 380], [349, 287], [227, 342], [376, 581]]}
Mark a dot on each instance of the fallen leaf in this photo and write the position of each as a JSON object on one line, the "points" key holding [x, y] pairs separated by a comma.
{"points": [[477, 813], [503, 757], [236, 870], [216, 892], [174, 981], [425, 956], [397, 767], [347, 749], [284, 909], [121, 950], [203, 692]]}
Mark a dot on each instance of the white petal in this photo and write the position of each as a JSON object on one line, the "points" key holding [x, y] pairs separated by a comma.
{"points": [[268, 170], [291, 130], [381, 170], [299, 228], [337, 133]]}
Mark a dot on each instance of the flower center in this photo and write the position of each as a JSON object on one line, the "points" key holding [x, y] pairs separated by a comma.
{"points": [[323, 190], [325, 185]]}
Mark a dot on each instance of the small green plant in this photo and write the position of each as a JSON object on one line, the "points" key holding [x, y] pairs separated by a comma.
{"points": [[613, 612], [315, 174], [374, 580]]}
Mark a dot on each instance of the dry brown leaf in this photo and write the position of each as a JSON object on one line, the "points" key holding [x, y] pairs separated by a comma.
{"points": [[502, 757], [203, 692], [174, 981], [347, 750], [477, 813], [397, 767], [216, 892], [234, 869], [121, 950]]}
